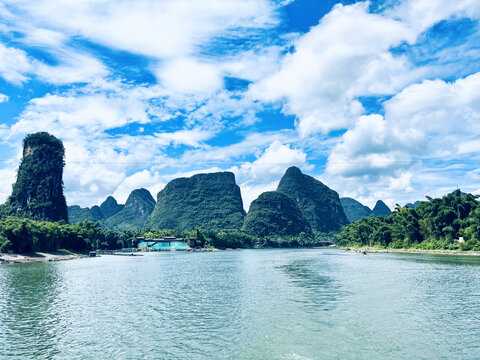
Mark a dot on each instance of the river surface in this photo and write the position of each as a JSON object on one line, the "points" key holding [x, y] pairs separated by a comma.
{"points": [[245, 304]]}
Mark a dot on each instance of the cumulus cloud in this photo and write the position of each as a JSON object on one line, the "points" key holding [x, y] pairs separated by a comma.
{"points": [[3, 98], [344, 56], [425, 123]]}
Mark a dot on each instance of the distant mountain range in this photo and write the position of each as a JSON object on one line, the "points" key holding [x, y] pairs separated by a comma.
{"points": [[114, 216], [356, 210], [301, 204]]}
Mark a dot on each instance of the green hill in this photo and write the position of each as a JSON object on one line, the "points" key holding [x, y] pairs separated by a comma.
{"points": [[110, 207], [207, 201], [381, 209], [38, 191], [319, 204], [354, 210], [274, 213], [137, 209], [77, 214], [434, 224]]}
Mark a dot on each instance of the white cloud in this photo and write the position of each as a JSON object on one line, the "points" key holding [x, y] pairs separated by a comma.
{"points": [[264, 173], [3, 98], [253, 65], [438, 107], [190, 76], [432, 120], [469, 147], [74, 67], [345, 56], [142, 179], [251, 192], [272, 163], [422, 14], [14, 64], [161, 29], [69, 115], [189, 137], [252, 144], [8, 176]]}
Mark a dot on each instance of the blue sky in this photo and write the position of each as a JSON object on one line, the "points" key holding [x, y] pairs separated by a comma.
{"points": [[379, 100]]}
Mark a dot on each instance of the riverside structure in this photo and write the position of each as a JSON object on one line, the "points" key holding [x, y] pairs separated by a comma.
{"points": [[168, 243]]}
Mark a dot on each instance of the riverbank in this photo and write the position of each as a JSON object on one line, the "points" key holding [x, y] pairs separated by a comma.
{"points": [[414, 251], [38, 256]]}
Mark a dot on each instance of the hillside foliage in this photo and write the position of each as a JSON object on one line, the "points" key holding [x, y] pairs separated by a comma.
{"points": [[354, 210], [38, 190], [132, 216], [207, 201], [319, 204], [435, 224], [274, 213]]}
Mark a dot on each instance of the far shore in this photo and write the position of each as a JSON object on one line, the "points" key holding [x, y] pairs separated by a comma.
{"points": [[39, 256], [413, 251]]}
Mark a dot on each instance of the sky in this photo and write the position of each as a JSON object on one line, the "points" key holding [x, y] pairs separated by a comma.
{"points": [[378, 100]]}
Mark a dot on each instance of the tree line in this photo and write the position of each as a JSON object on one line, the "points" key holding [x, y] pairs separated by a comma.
{"points": [[451, 222], [22, 235]]}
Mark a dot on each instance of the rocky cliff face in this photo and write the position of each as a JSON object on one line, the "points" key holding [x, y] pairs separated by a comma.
{"points": [[38, 191], [381, 209], [110, 207], [354, 210], [137, 209], [207, 201], [274, 213], [319, 204]]}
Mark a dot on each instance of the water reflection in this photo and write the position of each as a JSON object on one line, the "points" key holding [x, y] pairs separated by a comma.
{"points": [[28, 318], [312, 276]]}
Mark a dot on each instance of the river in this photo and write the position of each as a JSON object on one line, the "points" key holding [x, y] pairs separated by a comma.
{"points": [[245, 304]]}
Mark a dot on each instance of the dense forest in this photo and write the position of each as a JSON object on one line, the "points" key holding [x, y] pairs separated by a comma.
{"points": [[451, 222]]}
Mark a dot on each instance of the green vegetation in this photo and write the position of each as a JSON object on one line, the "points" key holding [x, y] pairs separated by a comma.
{"points": [[319, 204], [132, 216], [207, 201], [77, 214], [354, 210], [110, 207], [275, 214], [110, 215], [21, 235], [38, 191], [434, 224]]}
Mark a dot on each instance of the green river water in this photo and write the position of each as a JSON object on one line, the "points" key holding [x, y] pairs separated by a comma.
{"points": [[246, 304]]}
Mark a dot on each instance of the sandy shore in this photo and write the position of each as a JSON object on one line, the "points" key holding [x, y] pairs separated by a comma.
{"points": [[38, 257], [416, 251]]}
